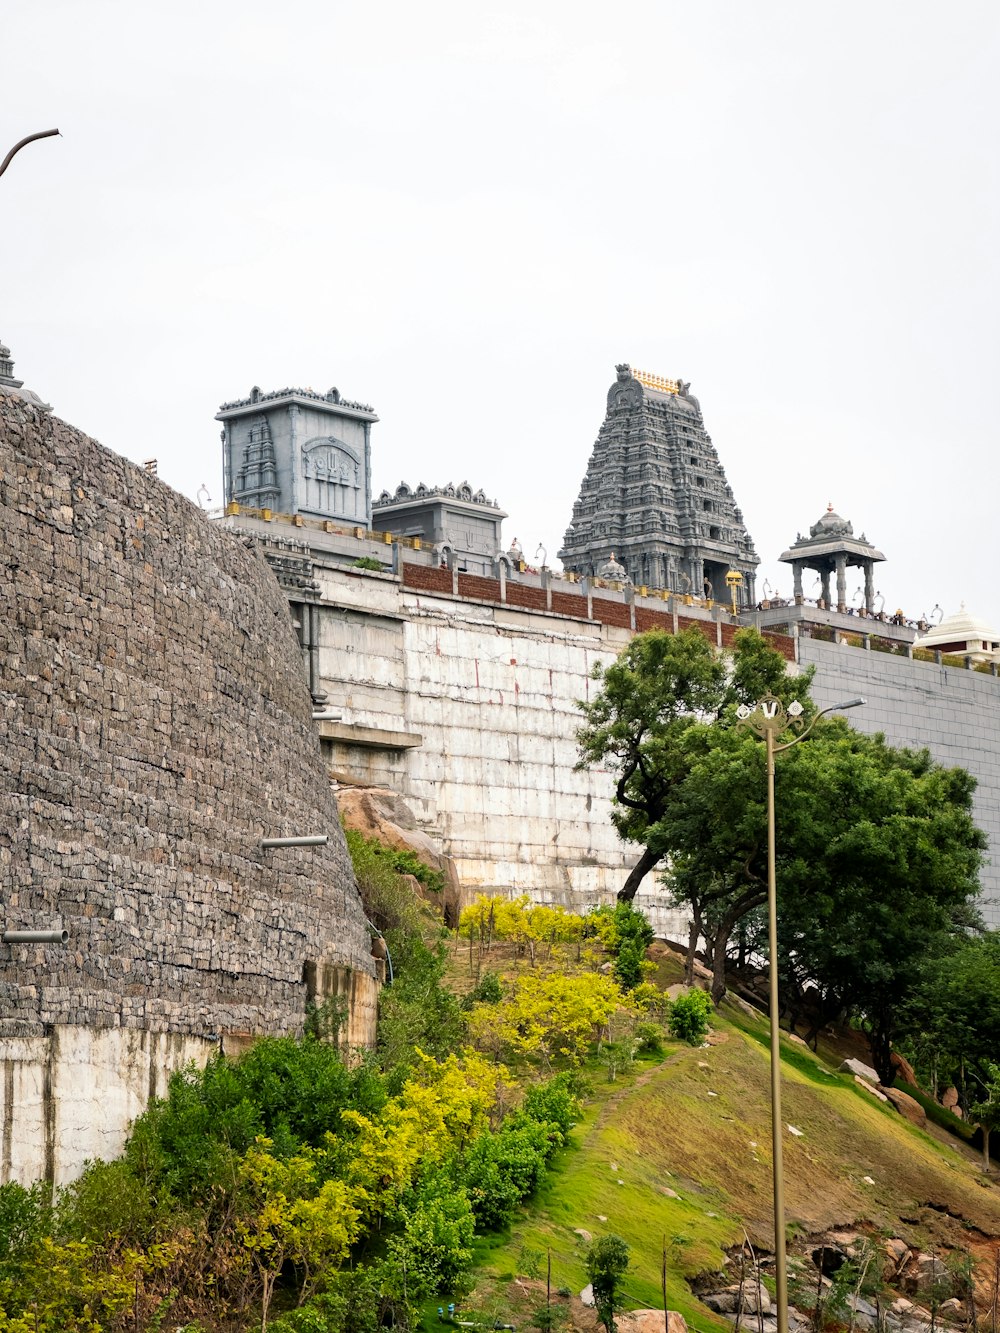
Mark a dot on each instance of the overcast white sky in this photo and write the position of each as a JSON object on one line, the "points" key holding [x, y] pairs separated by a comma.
{"points": [[467, 213]]}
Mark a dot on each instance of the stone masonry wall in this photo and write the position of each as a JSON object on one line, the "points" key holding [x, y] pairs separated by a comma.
{"points": [[154, 726]]}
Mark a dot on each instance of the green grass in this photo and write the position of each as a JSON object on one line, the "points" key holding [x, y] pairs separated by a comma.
{"points": [[939, 1114], [696, 1121], [583, 1187]]}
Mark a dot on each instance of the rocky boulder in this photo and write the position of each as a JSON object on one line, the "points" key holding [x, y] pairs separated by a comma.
{"points": [[906, 1106], [949, 1100], [754, 1297], [860, 1070], [953, 1310], [650, 1321], [377, 812], [904, 1069], [897, 1252], [924, 1272]]}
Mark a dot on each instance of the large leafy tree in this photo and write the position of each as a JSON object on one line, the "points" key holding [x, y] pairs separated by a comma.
{"points": [[878, 860], [952, 1019], [876, 847], [650, 719]]}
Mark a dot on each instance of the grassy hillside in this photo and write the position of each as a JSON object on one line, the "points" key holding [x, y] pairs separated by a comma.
{"points": [[678, 1151]]}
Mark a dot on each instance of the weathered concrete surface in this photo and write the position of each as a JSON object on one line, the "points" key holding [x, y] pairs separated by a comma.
{"points": [[492, 692], [154, 726], [953, 712], [70, 1096]]}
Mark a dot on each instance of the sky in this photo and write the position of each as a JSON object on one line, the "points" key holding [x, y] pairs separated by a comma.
{"points": [[466, 214]]}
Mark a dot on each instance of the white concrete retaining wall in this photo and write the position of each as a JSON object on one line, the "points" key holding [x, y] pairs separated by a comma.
{"points": [[491, 692], [71, 1096]]}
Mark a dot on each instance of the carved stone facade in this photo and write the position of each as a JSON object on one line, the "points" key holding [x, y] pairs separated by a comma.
{"points": [[655, 498], [294, 451], [458, 522]]}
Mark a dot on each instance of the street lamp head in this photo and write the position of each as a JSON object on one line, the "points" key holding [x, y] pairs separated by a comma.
{"points": [[851, 703]]}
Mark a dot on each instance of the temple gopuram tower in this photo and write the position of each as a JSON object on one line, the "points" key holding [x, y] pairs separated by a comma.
{"points": [[656, 498]]}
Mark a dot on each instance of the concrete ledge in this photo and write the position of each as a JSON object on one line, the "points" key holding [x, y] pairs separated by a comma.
{"points": [[372, 738]]}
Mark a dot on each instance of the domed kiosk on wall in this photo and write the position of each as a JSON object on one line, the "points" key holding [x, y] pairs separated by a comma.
{"points": [[829, 549]]}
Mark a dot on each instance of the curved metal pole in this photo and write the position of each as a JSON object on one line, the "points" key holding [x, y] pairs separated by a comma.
{"points": [[42, 134]]}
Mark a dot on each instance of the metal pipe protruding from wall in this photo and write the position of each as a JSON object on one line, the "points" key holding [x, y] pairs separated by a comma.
{"points": [[314, 840], [35, 936]]}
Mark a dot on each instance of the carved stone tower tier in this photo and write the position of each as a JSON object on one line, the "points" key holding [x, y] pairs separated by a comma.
{"points": [[656, 496], [299, 452]]}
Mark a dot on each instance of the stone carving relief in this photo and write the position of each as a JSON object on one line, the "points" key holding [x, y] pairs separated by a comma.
{"points": [[256, 482], [626, 392], [332, 473]]}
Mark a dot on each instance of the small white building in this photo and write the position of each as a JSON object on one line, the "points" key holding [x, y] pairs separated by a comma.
{"points": [[963, 633]]}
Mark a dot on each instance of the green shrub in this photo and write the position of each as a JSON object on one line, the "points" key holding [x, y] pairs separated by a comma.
{"points": [[649, 1038], [108, 1199], [489, 990], [626, 935], [607, 1263], [628, 969], [554, 1103], [437, 1230], [368, 562], [388, 900], [688, 1017], [24, 1219], [503, 1168], [615, 925], [409, 863]]}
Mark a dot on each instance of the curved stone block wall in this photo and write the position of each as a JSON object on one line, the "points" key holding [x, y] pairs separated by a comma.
{"points": [[154, 726]]}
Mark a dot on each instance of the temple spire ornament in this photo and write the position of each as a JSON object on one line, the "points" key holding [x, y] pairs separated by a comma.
{"points": [[655, 501], [15, 387]]}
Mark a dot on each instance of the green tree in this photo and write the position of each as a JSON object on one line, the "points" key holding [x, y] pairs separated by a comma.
{"points": [[952, 1020], [688, 1017], [652, 716], [877, 852], [878, 860], [987, 1110], [635, 727], [607, 1262]]}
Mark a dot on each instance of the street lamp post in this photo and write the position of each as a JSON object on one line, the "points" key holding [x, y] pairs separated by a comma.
{"points": [[769, 718]]}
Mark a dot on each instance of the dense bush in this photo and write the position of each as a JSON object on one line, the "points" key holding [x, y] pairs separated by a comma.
{"points": [[688, 1017], [626, 935], [488, 990]]}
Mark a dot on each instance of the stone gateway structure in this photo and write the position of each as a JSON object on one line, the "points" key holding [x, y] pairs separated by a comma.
{"points": [[156, 726]]}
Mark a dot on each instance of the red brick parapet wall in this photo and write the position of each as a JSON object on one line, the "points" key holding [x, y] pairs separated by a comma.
{"points": [[557, 601], [427, 578]]}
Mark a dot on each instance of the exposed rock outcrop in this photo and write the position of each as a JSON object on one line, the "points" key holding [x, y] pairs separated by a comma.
{"points": [[377, 812], [906, 1106]]}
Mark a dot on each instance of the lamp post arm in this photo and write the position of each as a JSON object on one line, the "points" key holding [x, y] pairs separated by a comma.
{"points": [[833, 708], [42, 134]]}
